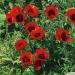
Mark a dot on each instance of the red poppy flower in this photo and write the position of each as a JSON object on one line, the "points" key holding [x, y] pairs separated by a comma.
{"points": [[51, 11], [30, 26], [41, 54], [20, 17], [10, 18], [62, 35], [70, 13], [26, 59], [16, 9], [21, 44], [38, 65], [32, 10], [37, 34]]}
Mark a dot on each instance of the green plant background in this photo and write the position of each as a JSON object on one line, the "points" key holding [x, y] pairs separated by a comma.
{"points": [[62, 55]]}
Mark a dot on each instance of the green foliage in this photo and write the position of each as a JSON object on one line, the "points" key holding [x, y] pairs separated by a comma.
{"points": [[62, 55]]}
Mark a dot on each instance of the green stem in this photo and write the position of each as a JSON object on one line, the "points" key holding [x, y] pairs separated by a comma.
{"points": [[31, 70]]}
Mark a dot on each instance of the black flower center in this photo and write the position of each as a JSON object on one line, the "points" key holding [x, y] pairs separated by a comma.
{"points": [[37, 34], [51, 12], [64, 37], [19, 18], [26, 59], [30, 10], [73, 17], [20, 44], [9, 20], [38, 63], [41, 56], [31, 28]]}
